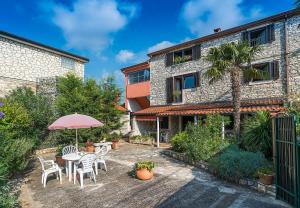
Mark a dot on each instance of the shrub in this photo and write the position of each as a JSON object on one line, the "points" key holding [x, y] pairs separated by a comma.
{"points": [[179, 142], [201, 142], [234, 164], [257, 133], [15, 157], [149, 165], [7, 199]]}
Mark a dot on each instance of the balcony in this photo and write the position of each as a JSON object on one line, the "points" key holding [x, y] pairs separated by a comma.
{"points": [[140, 89]]}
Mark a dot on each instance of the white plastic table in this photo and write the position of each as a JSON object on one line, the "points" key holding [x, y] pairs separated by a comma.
{"points": [[70, 158]]}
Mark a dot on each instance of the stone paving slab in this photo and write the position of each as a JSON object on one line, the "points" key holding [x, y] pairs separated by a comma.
{"points": [[175, 185]]}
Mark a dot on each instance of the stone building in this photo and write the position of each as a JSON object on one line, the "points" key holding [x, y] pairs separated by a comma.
{"points": [[179, 93], [28, 63]]}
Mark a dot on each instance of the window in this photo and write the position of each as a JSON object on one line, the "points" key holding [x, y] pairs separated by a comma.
{"points": [[175, 85], [268, 70], [184, 55], [259, 36], [67, 63], [139, 76], [189, 81]]}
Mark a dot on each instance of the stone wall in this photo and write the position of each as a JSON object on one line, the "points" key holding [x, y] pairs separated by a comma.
{"points": [[221, 90], [7, 84], [21, 64]]}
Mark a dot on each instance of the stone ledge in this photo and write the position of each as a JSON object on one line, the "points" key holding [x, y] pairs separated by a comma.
{"points": [[246, 182]]}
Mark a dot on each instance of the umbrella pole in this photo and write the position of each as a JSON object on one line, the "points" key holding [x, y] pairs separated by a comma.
{"points": [[76, 140]]}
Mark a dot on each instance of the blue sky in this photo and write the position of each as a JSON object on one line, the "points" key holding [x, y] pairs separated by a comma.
{"points": [[115, 33]]}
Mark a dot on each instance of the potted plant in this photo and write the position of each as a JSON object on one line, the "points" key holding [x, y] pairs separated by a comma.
{"points": [[266, 175], [58, 156], [115, 143], [90, 146], [143, 170]]}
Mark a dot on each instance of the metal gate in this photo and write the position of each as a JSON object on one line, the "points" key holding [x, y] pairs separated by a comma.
{"points": [[287, 160]]}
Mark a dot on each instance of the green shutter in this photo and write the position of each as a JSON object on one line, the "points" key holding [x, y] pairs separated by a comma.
{"points": [[169, 59], [169, 89], [275, 70], [245, 36], [196, 52], [270, 33]]}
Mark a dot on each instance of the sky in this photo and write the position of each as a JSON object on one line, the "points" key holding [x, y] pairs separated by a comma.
{"points": [[118, 33]]}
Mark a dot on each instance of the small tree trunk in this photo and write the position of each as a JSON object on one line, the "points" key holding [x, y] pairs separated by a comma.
{"points": [[236, 99]]}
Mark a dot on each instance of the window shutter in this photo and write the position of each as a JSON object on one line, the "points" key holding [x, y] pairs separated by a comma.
{"points": [[245, 36], [169, 89], [274, 70], [196, 52], [169, 59], [197, 79], [270, 33]]}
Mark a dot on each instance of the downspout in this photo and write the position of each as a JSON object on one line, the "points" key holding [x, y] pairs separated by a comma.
{"points": [[285, 51]]}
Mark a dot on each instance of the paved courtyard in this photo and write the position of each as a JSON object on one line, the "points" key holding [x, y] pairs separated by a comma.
{"points": [[174, 185]]}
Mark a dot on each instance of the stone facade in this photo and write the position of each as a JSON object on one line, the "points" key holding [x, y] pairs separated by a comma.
{"points": [[23, 64], [221, 90]]}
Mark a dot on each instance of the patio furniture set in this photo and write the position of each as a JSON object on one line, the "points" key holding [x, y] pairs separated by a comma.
{"points": [[81, 163]]}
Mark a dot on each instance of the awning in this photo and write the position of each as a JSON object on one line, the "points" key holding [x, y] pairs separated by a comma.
{"points": [[272, 105]]}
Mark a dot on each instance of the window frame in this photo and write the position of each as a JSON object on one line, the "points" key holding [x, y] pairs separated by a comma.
{"points": [[67, 63], [140, 78], [189, 75]]}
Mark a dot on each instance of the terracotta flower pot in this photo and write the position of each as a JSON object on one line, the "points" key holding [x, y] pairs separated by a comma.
{"points": [[90, 148], [266, 179], [115, 145], [144, 174], [60, 161]]}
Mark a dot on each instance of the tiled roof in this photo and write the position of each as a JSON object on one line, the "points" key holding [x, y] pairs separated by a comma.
{"points": [[121, 108], [145, 118], [273, 104]]}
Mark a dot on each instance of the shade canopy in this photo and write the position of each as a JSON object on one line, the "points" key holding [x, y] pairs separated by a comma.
{"points": [[75, 121]]}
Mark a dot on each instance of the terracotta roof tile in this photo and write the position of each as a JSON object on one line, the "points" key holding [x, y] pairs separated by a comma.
{"points": [[269, 104]]}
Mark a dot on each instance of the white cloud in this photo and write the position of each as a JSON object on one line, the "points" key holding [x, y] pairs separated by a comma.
{"points": [[90, 24], [124, 56], [202, 16], [159, 46]]}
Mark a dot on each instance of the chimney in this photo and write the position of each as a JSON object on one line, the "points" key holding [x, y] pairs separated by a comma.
{"points": [[216, 30]]}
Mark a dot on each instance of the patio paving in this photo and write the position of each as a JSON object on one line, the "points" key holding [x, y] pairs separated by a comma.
{"points": [[174, 185]]}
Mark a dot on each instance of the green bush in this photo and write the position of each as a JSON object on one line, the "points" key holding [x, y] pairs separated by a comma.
{"points": [[202, 141], [234, 163], [257, 133], [179, 142], [7, 199], [149, 165]]}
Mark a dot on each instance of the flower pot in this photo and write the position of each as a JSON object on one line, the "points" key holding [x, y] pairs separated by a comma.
{"points": [[144, 174], [90, 148], [266, 179], [60, 161], [115, 145]]}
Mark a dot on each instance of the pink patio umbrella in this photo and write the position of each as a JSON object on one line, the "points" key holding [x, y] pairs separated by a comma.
{"points": [[75, 121]]}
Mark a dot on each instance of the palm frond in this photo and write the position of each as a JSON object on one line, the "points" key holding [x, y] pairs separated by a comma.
{"points": [[297, 3], [214, 74], [253, 73]]}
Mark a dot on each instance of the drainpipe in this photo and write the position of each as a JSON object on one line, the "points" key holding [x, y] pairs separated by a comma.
{"points": [[285, 51]]}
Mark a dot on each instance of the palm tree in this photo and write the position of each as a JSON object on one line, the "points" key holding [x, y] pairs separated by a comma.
{"points": [[297, 3], [233, 58]]}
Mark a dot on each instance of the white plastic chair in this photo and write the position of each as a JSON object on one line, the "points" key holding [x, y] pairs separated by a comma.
{"points": [[87, 168], [100, 153], [53, 168], [68, 150]]}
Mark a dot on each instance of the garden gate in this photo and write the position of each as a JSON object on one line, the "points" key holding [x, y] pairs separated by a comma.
{"points": [[287, 160]]}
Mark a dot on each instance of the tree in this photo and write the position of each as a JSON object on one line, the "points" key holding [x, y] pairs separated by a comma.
{"points": [[89, 98], [233, 58]]}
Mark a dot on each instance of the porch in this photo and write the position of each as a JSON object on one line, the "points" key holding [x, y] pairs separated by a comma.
{"points": [[164, 122]]}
